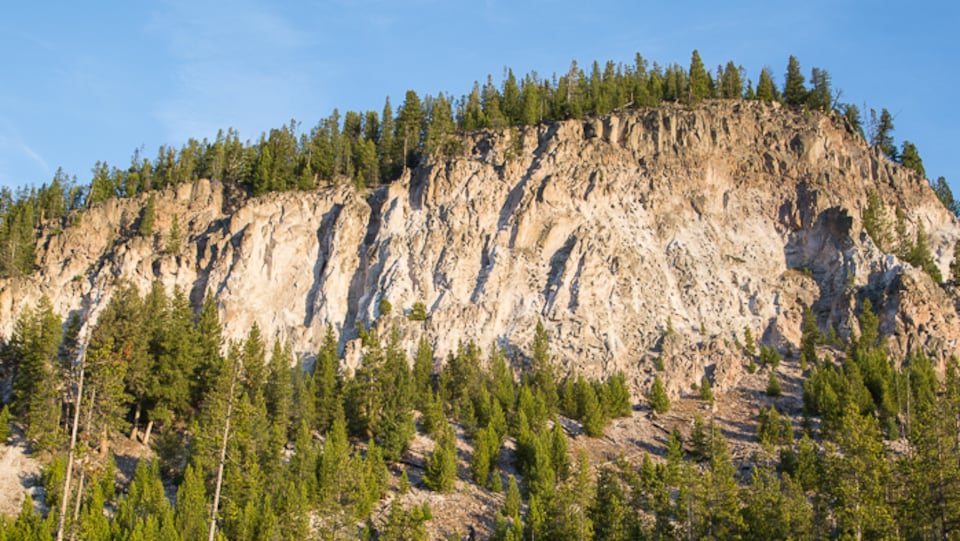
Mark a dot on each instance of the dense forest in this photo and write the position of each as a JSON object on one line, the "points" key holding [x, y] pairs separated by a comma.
{"points": [[368, 148], [260, 448]]}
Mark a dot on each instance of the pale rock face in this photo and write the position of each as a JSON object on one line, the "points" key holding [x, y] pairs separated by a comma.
{"points": [[730, 216]]}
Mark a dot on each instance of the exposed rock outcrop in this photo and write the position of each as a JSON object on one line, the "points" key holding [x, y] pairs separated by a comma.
{"points": [[724, 217]]}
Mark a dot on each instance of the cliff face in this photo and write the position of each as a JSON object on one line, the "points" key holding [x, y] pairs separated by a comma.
{"points": [[726, 217]]}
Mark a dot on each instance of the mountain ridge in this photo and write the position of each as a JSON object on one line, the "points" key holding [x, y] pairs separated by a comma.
{"points": [[726, 216]]}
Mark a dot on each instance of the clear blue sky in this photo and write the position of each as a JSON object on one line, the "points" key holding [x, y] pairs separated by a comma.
{"points": [[88, 81]]}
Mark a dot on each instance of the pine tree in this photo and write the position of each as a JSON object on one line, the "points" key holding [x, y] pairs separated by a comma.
{"points": [[920, 256], [409, 129], [731, 82], [706, 390], [945, 194], [910, 158], [658, 398], [955, 264], [609, 511], [810, 337], [699, 85], [881, 134], [190, 513], [511, 502], [4, 424], [148, 217], [773, 384], [794, 93], [766, 90], [820, 96], [34, 345], [441, 468]]}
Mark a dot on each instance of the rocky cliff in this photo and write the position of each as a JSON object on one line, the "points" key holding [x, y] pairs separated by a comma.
{"points": [[711, 220]]}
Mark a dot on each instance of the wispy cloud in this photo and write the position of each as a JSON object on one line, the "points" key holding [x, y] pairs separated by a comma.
{"points": [[13, 148]]}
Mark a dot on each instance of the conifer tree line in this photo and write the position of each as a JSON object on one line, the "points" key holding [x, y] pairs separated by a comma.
{"points": [[259, 448], [368, 148]]}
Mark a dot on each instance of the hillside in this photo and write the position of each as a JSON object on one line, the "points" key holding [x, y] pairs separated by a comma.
{"points": [[648, 242], [726, 217]]}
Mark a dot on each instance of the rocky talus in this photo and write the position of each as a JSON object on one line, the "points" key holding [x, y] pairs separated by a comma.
{"points": [[709, 220]]}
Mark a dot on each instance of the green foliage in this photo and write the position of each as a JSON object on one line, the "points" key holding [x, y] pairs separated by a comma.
{"points": [[406, 524], [876, 222], [706, 391], [820, 96], [384, 307], [809, 338], [920, 255], [794, 92], [910, 158], [945, 194], [769, 356], [881, 134], [4, 424], [659, 401], [174, 237], [851, 113], [34, 346], [749, 345], [955, 264], [440, 474], [418, 312], [773, 384], [148, 217], [766, 90], [699, 80]]}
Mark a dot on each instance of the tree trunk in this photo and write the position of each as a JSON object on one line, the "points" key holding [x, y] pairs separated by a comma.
{"points": [[73, 444], [147, 432], [223, 458], [76, 507], [134, 431]]}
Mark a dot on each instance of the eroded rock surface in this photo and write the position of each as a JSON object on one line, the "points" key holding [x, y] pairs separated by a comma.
{"points": [[718, 219]]}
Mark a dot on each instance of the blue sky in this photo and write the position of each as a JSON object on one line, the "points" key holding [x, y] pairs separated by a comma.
{"points": [[88, 81]]}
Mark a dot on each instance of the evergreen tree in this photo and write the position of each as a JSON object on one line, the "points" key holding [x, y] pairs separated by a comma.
{"points": [[148, 217], [706, 390], [658, 398], [820, 96], [881, 134], [858, 475], [441, 468], [810, 337], [409, 129], [34, 346], [4, 424], [773, 384], [876, 223], [794, 93], [699, 85], [766, 90], [731, 82], [945, 194], [851, 113], [609, 511], [955, 264], [910, 158], [190, 513]]}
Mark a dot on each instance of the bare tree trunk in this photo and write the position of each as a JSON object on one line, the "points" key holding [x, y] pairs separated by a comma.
{"points": [[223, 458], [147, 432], [76, 507], [73, 444], [135, 431]]}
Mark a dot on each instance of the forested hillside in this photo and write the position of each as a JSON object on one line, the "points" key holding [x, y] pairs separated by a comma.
{"points": [[638, 302]]}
